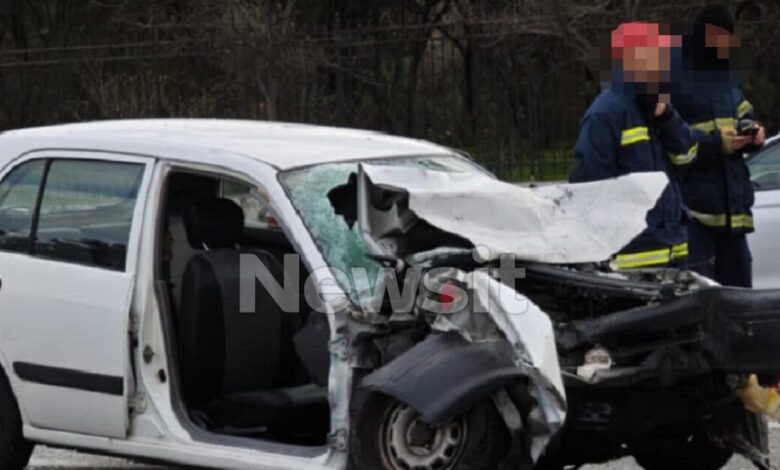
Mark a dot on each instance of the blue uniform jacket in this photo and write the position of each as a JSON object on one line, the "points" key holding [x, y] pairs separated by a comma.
{"points": [[618, 136], [716, 187]]}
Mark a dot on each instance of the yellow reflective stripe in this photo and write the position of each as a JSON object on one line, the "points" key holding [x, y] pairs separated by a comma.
{"points": [[744, 108], [680, 251], [710, 220], [634, 135], [651, 258], [642, 259], [685, 158], [741, 221], [719, 220], [720, 123]]}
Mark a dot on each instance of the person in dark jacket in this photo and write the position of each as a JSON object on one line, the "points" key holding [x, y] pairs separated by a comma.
{"points": [[628, 130], [716, 187]]}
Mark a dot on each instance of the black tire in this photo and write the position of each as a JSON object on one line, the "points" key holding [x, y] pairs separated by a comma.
{"points": [[14, 450], [684, 453], [482, 446]]}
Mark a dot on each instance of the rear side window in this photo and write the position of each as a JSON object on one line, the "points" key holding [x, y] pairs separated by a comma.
{"points": [[18, 196], [257, 212], [86, 212]]}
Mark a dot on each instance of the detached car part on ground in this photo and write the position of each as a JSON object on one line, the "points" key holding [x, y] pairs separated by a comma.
{"points": [[652, 360]]}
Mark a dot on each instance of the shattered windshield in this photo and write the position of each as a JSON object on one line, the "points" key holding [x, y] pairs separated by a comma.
{"points": [[341, 246]]}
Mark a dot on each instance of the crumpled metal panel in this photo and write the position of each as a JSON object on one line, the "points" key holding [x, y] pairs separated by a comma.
{"points": [[563, 223], [530, 332]]}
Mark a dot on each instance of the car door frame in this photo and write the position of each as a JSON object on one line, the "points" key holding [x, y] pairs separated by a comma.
{"points": [[155, 332], [52, 396]]}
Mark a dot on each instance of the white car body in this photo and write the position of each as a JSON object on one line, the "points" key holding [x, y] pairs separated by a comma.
{"points": [[97, 307], [66, 316], [765, 241]]}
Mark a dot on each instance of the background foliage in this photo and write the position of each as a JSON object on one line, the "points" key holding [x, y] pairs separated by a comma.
{"points": [[505, 80]]}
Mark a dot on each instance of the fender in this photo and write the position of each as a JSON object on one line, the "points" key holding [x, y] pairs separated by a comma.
{"points": [[444, 375]]}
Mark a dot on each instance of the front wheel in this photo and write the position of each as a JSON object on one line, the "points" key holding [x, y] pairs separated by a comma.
{"points": [[390, 435], [14, 450], [683, 453]]}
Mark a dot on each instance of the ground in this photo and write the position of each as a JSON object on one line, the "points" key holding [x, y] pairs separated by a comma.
{"points": [[51, 459]]}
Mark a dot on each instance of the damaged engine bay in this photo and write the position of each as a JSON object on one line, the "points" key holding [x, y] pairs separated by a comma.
{"points": [[651, 360]]}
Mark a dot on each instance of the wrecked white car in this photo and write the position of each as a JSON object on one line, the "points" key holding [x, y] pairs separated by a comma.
{"points": [[257, 295], [171, 291]]}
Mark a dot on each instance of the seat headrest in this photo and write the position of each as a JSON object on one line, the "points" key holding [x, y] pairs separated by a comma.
{"points": [[215, 223]]}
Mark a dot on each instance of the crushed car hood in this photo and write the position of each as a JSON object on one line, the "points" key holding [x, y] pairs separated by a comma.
{"points": [[562, 223]]}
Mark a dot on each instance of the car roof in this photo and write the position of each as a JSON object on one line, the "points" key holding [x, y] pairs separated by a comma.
{"points": [[282, 145]]}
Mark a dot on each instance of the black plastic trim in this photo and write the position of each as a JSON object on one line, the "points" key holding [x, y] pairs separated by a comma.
{"points": [[70, 378]]}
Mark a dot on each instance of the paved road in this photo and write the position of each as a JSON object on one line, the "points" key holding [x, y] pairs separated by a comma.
{"points": [[51, 459]]}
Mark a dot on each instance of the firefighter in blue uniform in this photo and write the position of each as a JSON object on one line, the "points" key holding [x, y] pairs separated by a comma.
{"points": [[716, 187], [627, 130]]}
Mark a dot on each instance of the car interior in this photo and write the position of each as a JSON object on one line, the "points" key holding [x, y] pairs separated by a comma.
{"points": [[260, 374]]}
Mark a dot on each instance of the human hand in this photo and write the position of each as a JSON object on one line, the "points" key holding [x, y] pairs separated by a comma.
{"points": [[760, 137], [731, 141]]}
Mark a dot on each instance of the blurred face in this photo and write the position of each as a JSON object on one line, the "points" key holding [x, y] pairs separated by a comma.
{"points": [[643, 52], [720, 39], [646, 64]]}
